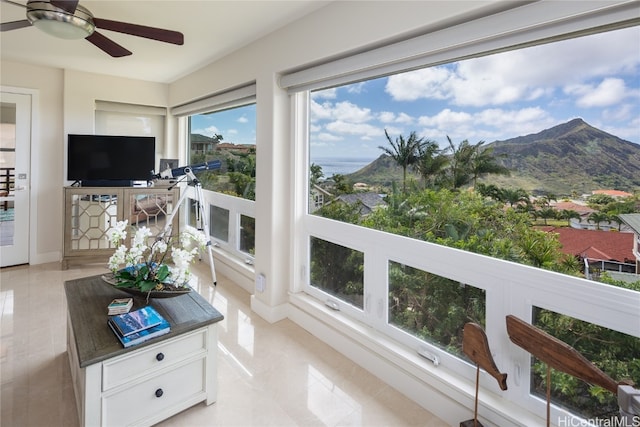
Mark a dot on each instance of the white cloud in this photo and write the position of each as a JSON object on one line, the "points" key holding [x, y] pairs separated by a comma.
{"points": [[487, 125], [426, 83], [446, 119], [524, 74], [325, 94], [324, 136], [623, 112], [349, 112], [609, 92], [322, 111], [391, 117], [405, 119], [242, 119], [208, 131], [356, 87], [387, 117], [359, 129]]}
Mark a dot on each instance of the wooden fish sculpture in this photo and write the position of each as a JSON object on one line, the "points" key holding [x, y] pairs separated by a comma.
{"points": [[476, 346]]}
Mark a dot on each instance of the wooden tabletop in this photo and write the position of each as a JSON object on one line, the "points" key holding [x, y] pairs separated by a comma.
{"points": [[87, 301]]}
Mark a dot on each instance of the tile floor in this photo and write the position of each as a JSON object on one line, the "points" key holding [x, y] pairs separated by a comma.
{"points": [[268, 375]]}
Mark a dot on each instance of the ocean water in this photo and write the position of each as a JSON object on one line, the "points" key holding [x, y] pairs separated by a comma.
{"points": [[340, 165]]}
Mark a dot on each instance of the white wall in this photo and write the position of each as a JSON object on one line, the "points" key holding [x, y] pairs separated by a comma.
{"points": [[47, 157], [67, 100]]}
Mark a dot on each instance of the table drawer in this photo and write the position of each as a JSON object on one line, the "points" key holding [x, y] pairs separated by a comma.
{"points": [[139, 363], [163, 395]]}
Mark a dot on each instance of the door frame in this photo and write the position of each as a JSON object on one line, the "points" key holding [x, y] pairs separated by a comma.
{"points": [[33, 171]]}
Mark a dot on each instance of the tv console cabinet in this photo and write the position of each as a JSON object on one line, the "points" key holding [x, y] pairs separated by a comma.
{"points": [[89, 213], [146, 383]]}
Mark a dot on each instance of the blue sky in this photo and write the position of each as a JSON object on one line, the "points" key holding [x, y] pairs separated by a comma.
{"points": [[501, 96]]}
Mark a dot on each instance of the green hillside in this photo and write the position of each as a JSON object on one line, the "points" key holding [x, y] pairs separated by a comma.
{"points": [[571, 158]]}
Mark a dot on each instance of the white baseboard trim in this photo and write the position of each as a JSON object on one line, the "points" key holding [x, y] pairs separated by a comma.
{"points": [[45, 258], [269, 313], [234, 269]]}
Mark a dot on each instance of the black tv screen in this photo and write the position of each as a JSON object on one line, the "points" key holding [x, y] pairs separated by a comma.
{"points": [[108, 157]]}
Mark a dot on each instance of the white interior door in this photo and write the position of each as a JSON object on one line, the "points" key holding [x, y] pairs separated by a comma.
{"points": [[15, 149]]}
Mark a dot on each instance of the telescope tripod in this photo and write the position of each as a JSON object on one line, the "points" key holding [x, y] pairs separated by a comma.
{"points": [[201, 220]]}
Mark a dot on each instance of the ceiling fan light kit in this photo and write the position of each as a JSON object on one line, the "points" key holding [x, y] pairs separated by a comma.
{"points": [[60, 23]]}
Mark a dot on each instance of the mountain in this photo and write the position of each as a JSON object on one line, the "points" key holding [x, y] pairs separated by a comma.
{"points": [[383, 171], [571, 158]]}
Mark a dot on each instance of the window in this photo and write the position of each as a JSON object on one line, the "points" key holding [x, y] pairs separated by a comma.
{"points": [[337, 270], [416, 205], [433, 307], [222, 127], [228, 136], [618, 359], [219, 223]]}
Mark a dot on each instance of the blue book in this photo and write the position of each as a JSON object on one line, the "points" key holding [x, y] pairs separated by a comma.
{"points": [[141, 336], [136, 321]]}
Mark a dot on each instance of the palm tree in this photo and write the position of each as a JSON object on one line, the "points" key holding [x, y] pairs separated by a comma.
{"points": [[460, 163], [547, 213], [514, 196], [404, 152], [569, 214], [483, 162], [315, 171], [545, 201], [431, 161], [490, 190], [471, 161], [597, 218]]}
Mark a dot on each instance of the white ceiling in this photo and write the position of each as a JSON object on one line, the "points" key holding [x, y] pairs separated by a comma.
{"points": [[211, 28]]}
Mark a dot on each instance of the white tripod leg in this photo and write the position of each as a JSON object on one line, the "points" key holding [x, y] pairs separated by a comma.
{"points": [[201, 220], [206, 231]]}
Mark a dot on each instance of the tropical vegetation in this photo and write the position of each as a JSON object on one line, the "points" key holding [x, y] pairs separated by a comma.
{"points": [[449, 206]]}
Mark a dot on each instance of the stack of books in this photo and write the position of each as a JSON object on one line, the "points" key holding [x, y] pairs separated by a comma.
{"points": [[119, 306], [138, 326]]}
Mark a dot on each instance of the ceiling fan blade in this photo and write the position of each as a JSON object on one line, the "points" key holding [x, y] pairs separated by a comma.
{"points": [[107, 45], [158, 34], [68, 6], [8, 26]]}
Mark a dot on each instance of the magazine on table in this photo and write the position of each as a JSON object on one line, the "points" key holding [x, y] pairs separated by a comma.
{"points": [[141, 336], [136, 321]]}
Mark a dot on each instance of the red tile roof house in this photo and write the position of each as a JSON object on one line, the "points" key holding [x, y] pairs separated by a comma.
{"points": [[598, 245], [583, 210], [613, 193]]}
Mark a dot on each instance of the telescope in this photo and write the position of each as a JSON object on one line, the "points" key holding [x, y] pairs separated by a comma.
{"points": [[185, 170]]}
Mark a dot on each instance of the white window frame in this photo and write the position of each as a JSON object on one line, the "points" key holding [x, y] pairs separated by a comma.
{"points": [[510, 288], [231, 98]]}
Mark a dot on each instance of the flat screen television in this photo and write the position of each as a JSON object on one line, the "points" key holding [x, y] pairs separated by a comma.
{"points": [[109, 158]]}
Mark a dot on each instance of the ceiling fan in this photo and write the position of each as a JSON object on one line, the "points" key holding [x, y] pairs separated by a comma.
{"points": [[68, 20]]}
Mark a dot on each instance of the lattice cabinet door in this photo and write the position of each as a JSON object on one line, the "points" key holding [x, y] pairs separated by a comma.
{"points": [[151, 208], [91, 211]]}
